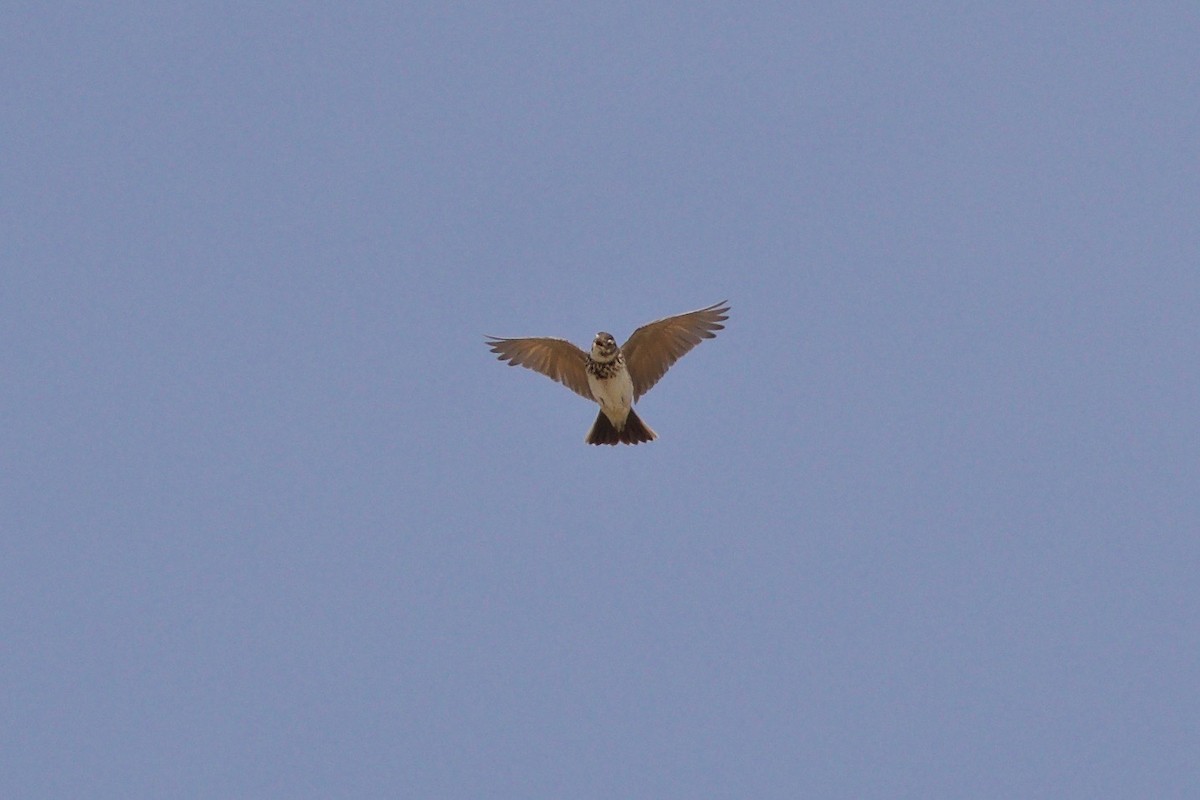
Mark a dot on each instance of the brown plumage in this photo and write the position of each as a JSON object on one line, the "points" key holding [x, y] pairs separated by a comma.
{"points": [[633, 432], [615, 377]]}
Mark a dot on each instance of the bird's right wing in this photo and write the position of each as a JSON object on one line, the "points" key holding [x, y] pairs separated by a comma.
{"points": [[554, 358]]}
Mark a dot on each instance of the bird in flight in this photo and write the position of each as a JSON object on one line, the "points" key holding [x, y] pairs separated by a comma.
{"points": [[615, 377]]}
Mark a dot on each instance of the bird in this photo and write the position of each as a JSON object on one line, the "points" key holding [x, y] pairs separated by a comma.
{"points": [[615, 376]]}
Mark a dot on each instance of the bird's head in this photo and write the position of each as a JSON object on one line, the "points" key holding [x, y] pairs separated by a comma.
{"points": [[604, 347]]}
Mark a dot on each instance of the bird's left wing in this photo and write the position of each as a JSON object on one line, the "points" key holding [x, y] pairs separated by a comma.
{"points": [[655, 346], [554, 358]]}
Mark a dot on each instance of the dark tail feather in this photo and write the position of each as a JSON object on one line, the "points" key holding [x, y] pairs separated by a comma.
{"points": [[603, 432], [635, 431]]}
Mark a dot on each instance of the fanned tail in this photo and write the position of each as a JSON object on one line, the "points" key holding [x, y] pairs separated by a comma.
{"points": [[633, 432]]}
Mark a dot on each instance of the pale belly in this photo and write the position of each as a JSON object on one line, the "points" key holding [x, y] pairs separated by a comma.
{"points": [[614, 395]]}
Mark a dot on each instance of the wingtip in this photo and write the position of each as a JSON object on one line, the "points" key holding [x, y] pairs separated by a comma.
{"points": [[719, 308]]}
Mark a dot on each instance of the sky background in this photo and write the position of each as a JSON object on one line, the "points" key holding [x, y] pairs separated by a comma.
{"points": [[921, 522]]}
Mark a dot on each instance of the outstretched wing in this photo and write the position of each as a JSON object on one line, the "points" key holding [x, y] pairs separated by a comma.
{"points": [[654, 347], [554, 358]]}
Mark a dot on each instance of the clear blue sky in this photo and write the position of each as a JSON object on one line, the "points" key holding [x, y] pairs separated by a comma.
{"points": [[921, 522]]}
